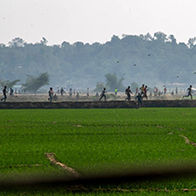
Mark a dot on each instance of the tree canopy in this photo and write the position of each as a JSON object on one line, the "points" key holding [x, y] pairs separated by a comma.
{"points": [[148, 59], [34, 83], [112, 82], [8, 83]]}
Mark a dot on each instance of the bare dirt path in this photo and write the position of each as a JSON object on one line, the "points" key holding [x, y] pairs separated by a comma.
{"points": [[53, 160], [188, 141]]}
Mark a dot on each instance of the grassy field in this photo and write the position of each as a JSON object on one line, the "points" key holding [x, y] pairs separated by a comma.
{"points": [[91, 141]]}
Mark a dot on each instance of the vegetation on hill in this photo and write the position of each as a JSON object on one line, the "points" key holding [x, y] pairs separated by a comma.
{"points": [[148, 59]]}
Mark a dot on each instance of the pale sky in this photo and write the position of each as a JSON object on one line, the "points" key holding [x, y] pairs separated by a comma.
{"points": [[92, 21]]}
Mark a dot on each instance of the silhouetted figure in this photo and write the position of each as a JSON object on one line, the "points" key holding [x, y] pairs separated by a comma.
{"points": [[55, 97], [139, 99], [142, 89], [11, 91], [165, 90], [145, 92], [4, 94], [103, 94], [62, 91], [50, 93], [155, 91], [87, 92], [128, 93], [77, 95], [189, 92], [70, 92]]}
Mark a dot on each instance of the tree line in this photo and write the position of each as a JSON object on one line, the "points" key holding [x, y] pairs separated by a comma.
{"points": [[147, 59]]}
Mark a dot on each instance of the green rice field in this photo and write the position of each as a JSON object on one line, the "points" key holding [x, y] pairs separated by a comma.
{"points": [[94, 141]]}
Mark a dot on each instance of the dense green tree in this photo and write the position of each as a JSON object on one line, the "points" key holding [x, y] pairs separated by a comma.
{"points": [[148, 37], [191, 42], [134, 85], [99, 87], [160, 36], [112, 82], [34, 83], [8, 83], [144, 59], [17, 42], [172, 39], [43, 41]]}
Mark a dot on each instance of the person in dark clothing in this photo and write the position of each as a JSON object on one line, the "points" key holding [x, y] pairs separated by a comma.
{"points": [[50, 93], [189, 92], [77, 95], [139, 99], [62, 91], [55, 97], [103, 94], [70, 92], [145, 93], [165, 90], [11, 91], [87, 92], [4, 94], [128, 93]]}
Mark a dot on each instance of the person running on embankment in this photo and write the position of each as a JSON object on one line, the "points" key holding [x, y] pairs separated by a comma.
{"points": [[4, 94], [189, 92]]}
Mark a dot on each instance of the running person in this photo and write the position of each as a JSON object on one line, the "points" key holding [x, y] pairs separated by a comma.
{"points": [[145, 93], [50, 93], [189, 92], [165, 90], [103, 94], [87, 92], [142, 89], [139, 99], [4, 94], [128, 93]]}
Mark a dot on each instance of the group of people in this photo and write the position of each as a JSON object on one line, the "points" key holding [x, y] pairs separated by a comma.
{"points": [[71, 92], [142, 94], [139, 95], [5, 93], [53, 96]]}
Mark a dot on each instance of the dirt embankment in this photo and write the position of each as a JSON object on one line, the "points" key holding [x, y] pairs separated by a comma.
{"points": [[96, 104], [34, 101]]}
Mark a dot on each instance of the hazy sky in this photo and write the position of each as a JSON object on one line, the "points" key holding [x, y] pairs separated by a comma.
{"points": [[92, 21]]}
